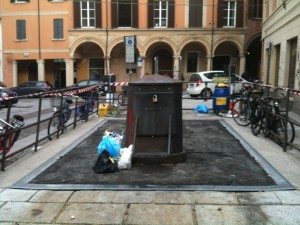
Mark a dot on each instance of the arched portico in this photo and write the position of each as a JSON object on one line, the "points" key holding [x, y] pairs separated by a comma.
{"points": [[228, 53], [159, 59]]}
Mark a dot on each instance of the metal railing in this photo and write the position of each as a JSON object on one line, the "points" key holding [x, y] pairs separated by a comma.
{"points": [[42, 122]]}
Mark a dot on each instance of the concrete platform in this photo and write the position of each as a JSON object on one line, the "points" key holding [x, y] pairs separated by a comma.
{"points": [[151, 207]]}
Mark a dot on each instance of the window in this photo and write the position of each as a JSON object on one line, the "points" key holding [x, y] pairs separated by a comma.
{"points": [[125, 13], [257, 9], [161, 13], [230, 14], [195, 13], [21, 29], [58, 28], [88, 15], [192, 62], [96, 68]]}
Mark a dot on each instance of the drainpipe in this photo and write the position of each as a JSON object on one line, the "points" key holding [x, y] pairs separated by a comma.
{"points": [[212, 35], [39, 29], [106, 42]]}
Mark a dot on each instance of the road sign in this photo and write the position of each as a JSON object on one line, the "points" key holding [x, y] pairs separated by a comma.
{"points": [[130, 49]]}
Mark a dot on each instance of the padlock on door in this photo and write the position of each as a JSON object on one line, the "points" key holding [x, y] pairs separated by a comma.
{"points": [[154, 99]]}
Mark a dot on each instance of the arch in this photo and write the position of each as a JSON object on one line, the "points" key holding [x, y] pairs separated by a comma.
{"points": [[238, 42], [86, 39], [160, 39], [250, 40], [117, 41], [204, 42]]}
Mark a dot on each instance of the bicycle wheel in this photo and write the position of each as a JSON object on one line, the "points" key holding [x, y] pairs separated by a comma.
{"points": [[122, 99], [241, 112], [256, 119], [280, 128], [6, 142], [266, 126], [16, 136], [55, 125]]}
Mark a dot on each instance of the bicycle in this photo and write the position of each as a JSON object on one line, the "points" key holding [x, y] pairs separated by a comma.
{"points": [[274, 122], [122, 97], [84, 107], [244, 108], [60, 117], [10, 132]]}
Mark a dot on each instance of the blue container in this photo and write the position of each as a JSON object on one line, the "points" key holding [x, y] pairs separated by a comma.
{"points": [[221, 98]]}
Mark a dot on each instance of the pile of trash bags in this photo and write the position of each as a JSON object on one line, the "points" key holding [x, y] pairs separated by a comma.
{"points": [[111, 156]]}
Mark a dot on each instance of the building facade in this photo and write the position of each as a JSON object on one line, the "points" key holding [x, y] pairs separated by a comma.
{"points": [[65, 41], [281, 43]]}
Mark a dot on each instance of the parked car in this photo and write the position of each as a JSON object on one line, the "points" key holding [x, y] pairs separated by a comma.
{"points": [[198, 82], [32, 87], [5, 92], [89, 82]]}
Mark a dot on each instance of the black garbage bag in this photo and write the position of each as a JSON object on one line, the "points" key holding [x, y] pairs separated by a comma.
{"points": [[105, 163]]}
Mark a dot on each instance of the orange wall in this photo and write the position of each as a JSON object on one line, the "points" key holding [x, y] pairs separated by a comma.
{"points": [[179, 10], [48, 12], [143, 14]]}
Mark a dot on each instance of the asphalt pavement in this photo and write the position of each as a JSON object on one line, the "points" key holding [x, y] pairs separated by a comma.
{"points": [[37, 206]]}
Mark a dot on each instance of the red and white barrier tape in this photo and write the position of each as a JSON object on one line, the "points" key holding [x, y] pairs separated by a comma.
{"points": [[65, 93], [117, 83], [81, 90]]}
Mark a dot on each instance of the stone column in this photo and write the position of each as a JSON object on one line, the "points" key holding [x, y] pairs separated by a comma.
{"points": [[141, 69], [176, 69], [41, 69], [15, 72], [107, 65], [208, 63], [242, 64], [69, 72]]}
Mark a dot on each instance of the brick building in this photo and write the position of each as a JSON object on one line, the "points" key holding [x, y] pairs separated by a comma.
{"points": [[64, 41]]}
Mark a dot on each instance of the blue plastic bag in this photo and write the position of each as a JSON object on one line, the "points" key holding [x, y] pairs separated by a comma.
{"points": [[110, 145], [201, 109]]}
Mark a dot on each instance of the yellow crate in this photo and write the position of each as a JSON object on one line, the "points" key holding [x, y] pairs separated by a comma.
{"points": [[102, 110]]}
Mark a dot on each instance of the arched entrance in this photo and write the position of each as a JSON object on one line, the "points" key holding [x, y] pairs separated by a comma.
{"points": [[226, 54], [161, 59], [253, 58], [89, 62]]}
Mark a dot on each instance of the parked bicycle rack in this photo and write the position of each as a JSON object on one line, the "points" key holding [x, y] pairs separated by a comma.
{"points": [[58, 95]]}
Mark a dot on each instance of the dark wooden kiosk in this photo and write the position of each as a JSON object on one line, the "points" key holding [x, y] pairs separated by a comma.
{"points": [[154, 120]]}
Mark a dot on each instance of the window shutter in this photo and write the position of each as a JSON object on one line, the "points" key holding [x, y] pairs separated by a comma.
{"points": [[250, 9], [220, 20], [98, 9], [195, 13], [135, 14], [171, 10], [150, 13], [240, 14], [24, 29], [77, 14], [21, 29], [114, 14]]}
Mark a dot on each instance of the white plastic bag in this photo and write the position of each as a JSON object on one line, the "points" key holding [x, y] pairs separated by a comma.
{"points": [[126, 157]]}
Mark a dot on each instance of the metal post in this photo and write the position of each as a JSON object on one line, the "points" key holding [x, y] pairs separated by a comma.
{"points": [[286, 118], [38, 123]]}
